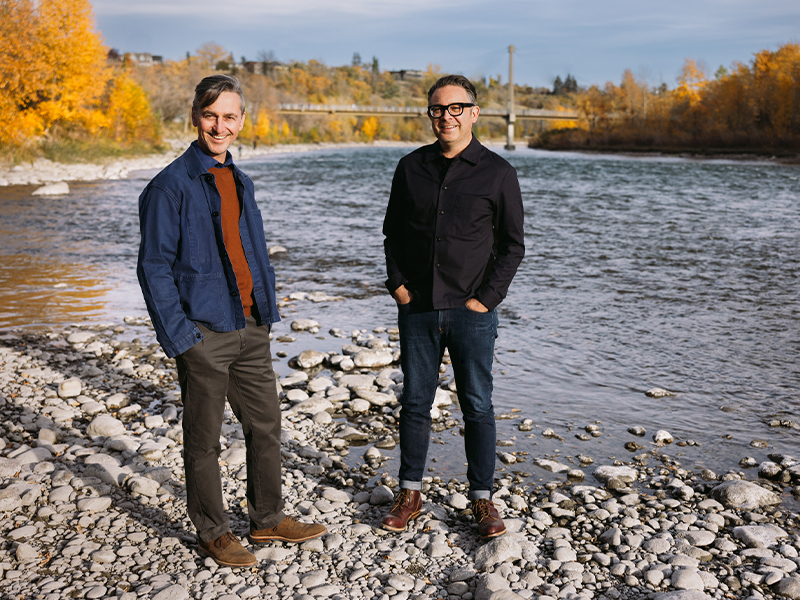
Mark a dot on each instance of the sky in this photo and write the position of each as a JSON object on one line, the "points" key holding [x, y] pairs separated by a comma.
{"points": [[593, 40]]}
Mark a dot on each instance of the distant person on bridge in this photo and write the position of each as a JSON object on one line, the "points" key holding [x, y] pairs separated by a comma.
{"points": [[210, 291], [454, 240]]}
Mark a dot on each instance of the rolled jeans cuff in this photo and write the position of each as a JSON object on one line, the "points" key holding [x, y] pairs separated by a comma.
{"points": [[414, 486], [480, 495]]}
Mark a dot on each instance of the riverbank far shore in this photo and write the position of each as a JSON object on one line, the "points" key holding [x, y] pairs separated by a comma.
{"points": [[92, 494], [43, 171]]}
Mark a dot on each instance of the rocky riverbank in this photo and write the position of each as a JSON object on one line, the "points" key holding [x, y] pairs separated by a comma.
{"points": [[93, 502], [43, 172]]}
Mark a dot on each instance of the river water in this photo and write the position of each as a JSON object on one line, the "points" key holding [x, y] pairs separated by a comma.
{"points": [[639, 273]]}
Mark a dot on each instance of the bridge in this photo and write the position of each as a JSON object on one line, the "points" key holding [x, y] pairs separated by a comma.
{"points": [[355, 110]]}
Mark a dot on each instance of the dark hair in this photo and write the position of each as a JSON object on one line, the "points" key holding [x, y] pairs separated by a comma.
{"points": [[212, 87], [458, 81]]}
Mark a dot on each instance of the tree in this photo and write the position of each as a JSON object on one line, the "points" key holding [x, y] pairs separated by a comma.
{"points": [[210, 54], [558, 86], [52, 65]]}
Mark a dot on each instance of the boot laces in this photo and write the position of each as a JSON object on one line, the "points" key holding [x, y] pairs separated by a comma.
{"points": [[402, 498], [482, 509]]}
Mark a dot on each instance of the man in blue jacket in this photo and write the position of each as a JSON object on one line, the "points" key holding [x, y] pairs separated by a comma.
{"points": [[210, 291]]}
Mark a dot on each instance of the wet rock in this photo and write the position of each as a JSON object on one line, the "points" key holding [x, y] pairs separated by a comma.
{"points": [[662, 437], [304, 325], [60, 188], [373, 358], [637, 431], [658, 393], [606, 473], [308, 359]]}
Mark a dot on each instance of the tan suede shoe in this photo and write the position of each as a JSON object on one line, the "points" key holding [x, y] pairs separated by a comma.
{"points": [[288, 530], [227, 551]]}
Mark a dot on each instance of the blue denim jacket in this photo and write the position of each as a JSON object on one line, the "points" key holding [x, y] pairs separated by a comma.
{"points": [[183, 268]]}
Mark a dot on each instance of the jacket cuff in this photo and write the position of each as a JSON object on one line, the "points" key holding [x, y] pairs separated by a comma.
{"points": [[395, 281], [488, 298], [182, 344]]}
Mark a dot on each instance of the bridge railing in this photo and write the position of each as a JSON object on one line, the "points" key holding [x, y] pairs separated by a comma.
{"points": [[418, 111]]}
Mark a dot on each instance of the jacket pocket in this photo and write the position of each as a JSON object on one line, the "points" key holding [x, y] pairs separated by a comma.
{"points": [[201, 297]]}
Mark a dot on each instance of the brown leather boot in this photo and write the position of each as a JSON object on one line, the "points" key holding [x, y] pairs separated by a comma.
{"points": [[488, 519], [407, 507], [288, 530], [227, 551]]}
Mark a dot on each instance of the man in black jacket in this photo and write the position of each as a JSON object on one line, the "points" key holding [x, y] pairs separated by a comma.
{"points": [[454, 240]]}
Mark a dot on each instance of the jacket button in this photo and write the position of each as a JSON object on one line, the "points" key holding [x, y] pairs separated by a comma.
{"points": [[441, 212], [215, 214], [234, 294], [438, 239], [438, 265], [198, 335]]}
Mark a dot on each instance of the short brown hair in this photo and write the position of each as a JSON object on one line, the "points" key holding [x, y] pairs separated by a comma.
{"points": [[458, 81], [212, 87]]}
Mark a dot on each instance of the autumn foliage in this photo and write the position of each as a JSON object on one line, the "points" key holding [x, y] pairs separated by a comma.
{"points": [[750, 107], [55, 80]]}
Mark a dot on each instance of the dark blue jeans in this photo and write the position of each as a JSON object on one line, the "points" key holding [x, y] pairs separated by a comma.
{"points": [[469, 336]]}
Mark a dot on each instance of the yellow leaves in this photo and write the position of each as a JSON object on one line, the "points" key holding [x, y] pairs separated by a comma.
{"points": [[54, 71], [370, 128], [691, 82]]}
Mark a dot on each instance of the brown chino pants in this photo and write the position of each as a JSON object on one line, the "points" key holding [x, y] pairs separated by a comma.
{"points": [[236, 364]]}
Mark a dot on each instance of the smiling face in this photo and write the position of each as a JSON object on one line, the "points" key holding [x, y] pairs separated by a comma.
{"points": [[218, 124], [454, 133]]}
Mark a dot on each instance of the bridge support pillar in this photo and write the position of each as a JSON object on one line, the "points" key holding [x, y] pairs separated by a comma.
{"points": [[510, 120]]}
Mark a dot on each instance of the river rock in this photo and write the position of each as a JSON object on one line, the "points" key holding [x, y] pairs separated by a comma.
{"points": [[71, 388], [663, 436], [489, 584], [357, 382], [606, 473], [105, 425], [373, 358], [789, 587], [308, 359], [172, 592], [759, 536], [658, 393], [377, 398], [687, 579], [682, 595], [381, 495], [94, 504], [312, 406], [60, 188], [497, 550], [744, 495], [304, 325]]}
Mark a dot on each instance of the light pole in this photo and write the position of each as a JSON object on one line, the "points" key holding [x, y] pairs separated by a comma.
{"points": [[511, 118]]}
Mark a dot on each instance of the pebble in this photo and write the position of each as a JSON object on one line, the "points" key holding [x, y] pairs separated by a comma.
{"points": [[94, 504]]}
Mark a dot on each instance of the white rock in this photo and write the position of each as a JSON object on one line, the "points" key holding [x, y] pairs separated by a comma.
{"points": [[153, 421], [658, 393], [274, 553], [234, 457], [80, 337], [496, 551], [144, 486], [308, 359], [357, 382], [373, 358], [789, 587], [312, 406], [335, 495], [173, 592], [94, 504], [606, 473], [105, 425], [60, 188], [70, 388], [34, 455], [759, 536], [687, 579], [359, 405], [663, 436], [10, 500], [381, 495], [376, 398], [9, 467], [458, 501], [319, 384], [26, 553], [304, 324], [402, 583], [744, 495]]}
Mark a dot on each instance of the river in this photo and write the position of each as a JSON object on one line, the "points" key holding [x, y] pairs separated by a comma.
{"points": [[639, 273]]}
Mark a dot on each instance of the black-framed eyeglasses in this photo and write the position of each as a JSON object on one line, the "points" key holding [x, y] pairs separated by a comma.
{"points": [[436, 111]]}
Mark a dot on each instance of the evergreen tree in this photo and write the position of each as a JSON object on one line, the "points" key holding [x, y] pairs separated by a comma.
{"points": [[558, 86]]}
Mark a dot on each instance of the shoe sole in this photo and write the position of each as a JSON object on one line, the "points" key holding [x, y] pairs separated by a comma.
{"points": [[493, 535], [410, 518], [277, 538], [206, 553]]}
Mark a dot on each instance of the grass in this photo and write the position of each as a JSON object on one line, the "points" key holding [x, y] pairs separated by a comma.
{"points": [[74, 151]]}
